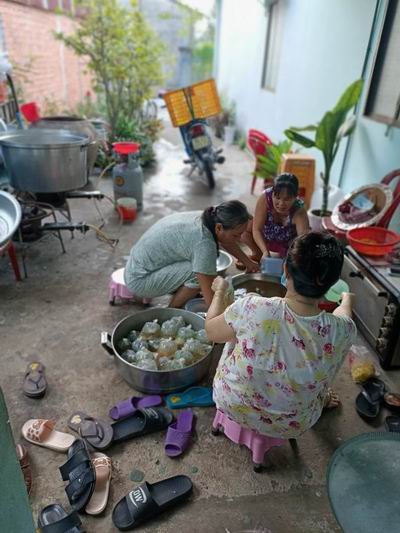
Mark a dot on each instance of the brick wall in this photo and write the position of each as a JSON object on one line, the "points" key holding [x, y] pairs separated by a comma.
{"points": [[45, 71]]}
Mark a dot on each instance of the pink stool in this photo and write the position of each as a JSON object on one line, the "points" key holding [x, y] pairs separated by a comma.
{"points": [[117, 288], [257, 443]]}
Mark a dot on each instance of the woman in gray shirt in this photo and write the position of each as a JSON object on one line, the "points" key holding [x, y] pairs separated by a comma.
{"points": [[178, 253]]}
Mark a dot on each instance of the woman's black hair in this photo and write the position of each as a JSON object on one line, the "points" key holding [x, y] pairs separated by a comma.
{"points": [[229, 214], [315, 261], [286, 182]]}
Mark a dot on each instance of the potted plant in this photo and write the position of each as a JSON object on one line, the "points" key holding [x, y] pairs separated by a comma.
{"points": [[267, 166], [329, 132]]}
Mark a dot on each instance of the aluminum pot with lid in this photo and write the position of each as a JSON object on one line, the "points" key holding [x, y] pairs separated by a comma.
{"points": [[45, 161], [152, 381]]}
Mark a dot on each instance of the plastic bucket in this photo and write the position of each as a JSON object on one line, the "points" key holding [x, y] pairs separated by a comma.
{"points": [[272, 266], [127, 208]]}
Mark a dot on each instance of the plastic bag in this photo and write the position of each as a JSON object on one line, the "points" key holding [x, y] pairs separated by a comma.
{"points": [[170, 328], [167, 347], [138, 344], [176, 364], [129, 355], [147, 364], [151, 330], [196, 347], [163, 363], [132, 335], [184, 334], [361, 368], [154, 344], [201, 335], [144, 355], [123, 344], [185, 355]]}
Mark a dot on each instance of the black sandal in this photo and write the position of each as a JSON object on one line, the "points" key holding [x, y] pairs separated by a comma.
{"points": [[150, 499], [144, 421], [54, 519], [80, 473]]}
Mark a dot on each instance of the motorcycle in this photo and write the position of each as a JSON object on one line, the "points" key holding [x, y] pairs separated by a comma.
{"points": [[199, 148]]}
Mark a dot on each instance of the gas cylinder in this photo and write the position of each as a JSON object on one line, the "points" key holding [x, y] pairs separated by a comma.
{"points": [[127, 173]]}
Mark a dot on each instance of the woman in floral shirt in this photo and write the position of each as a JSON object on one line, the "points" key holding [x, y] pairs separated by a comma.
{"points": [[282, 354]]}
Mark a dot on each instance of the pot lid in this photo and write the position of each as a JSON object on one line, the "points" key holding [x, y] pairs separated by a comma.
{"points": [[42, 138]]}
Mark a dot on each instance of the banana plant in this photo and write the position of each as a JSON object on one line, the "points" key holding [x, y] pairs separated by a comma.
{"points": [[268, 164], [333, 127]]}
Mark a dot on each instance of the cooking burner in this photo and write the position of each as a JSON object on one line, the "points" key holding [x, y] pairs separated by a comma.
{"points": [[31, 222]]}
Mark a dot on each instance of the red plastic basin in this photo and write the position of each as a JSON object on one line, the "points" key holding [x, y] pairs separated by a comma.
{"points": [[126, 148], [372, 240]]}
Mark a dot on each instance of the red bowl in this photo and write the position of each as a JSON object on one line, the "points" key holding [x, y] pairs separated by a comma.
{"points": [[372, 240], [126, 148]]}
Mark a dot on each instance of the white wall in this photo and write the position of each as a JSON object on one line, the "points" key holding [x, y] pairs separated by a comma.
{"points": [[324, 44]]}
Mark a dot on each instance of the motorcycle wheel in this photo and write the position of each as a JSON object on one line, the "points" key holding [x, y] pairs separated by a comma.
{"points": [[209, 173]]}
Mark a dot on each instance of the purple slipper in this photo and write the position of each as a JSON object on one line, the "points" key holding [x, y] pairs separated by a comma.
{"points": [[179, 434], [128, 407]]}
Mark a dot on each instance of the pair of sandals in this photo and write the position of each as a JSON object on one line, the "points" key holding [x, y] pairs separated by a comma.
{"points": [[87, 490], [372, 396]]}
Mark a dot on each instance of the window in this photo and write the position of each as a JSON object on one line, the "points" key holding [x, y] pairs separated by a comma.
{"points": [[383, 102], [272, 45]]}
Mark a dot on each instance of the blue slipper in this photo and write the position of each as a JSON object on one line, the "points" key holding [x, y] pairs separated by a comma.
{"points": [[193, 397]]}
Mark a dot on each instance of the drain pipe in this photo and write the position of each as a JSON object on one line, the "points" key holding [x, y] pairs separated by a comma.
{"points": [[363, 76]]}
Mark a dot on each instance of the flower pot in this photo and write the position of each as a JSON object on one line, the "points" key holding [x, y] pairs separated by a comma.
{"points": [[229, 134], [315, 219]]}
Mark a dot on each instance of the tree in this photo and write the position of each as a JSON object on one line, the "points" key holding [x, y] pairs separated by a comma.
{"points": [[124, 56]]}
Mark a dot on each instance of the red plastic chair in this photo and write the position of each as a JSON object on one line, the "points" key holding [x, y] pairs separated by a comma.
{"points": [[257, 142]]}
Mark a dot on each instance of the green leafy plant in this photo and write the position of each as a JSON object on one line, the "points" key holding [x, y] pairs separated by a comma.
{"points": [[333, 127], [123, 56], [268, 165]]}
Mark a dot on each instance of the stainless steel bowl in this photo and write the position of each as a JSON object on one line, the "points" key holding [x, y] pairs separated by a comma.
{"points": [[10, 216], [152, 381], [224, 261]]}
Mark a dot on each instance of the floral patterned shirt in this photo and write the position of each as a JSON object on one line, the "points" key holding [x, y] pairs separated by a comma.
{"points": [[275, 377]]}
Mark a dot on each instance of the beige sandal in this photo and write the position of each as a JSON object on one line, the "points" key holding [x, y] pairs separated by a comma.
{"points": [[41, 432], [99, 499], [332, 400]]}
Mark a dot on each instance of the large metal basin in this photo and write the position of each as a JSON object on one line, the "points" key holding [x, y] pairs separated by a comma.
{"points": [[262, 284], [10, 216], [151, 381], [45, 161]]}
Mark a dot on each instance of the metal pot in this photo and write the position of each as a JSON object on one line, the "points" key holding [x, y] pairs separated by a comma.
{"points": [[264, 285], [75, 125], [152, 381], [45, 161]]}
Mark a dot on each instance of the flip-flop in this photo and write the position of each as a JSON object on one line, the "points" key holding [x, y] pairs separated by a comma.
{"points": [[35, 383], [97, 433], [144, 421], [22, 455], [392, 423], [54, 519], [365, 407], [193, 397], [392, 401], [80, 473], [128, 407], [99, 499], [179, 434], [41, 432], [375, 389], [150, 499]]}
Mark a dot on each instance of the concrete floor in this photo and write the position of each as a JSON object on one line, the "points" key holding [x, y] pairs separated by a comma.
{"points": [[56, 316]]}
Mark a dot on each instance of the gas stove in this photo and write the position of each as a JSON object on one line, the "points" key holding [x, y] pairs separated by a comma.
{"points": [[376, 284]]}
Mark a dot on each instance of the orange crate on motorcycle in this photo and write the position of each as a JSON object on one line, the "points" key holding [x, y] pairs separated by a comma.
{"points": [[200, 100]]}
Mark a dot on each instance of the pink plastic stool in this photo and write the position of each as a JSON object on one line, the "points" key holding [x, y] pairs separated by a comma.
{"points": [[118, 289], [257, 443]]}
